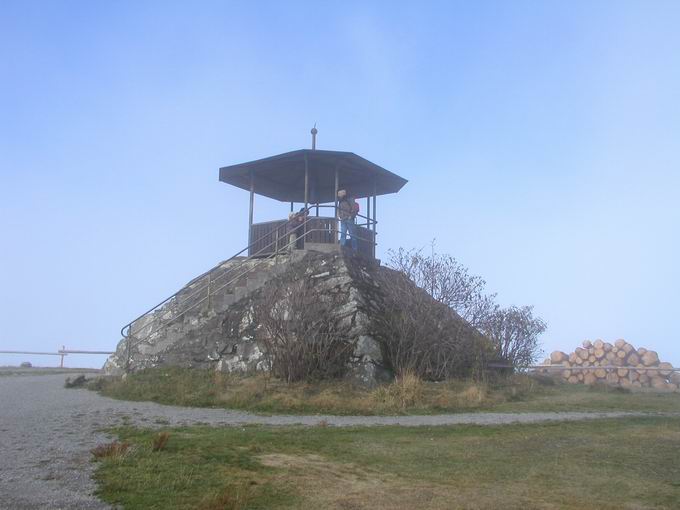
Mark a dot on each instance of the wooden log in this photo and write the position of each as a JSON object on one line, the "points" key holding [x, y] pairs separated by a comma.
{"points": [[649, 358], [620, 343], [621, 354], [573, 357], [637, 384], [558, 357], [566, 374], [600, 373], [573, 379], [610, 356], [644, 379], [582, 353], [587, 343], [580, 376], [622, 372], [668, 372], [579, 360], [612, 378], [592, 358], [675, 378], [598, 344], [641, 351], [633, 359], [634, 375], [599, 353], [628, 348], [659, 383], [607, 347], [589, 379]]}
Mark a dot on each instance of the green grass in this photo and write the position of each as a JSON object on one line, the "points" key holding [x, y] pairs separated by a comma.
{"points": [[204, 388], [608, 464]]}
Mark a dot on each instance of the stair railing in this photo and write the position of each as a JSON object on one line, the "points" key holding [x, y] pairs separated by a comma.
{"points": [[126, 331]]}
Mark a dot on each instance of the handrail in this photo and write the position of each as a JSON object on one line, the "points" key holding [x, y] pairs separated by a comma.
{"points": [[232, 280], [254, 243], [369, 221]]}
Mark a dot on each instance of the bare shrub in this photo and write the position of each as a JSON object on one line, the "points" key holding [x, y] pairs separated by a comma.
{"points": [[304, 336], [421, 335], [514, 332], [447, 281], [114, 451]]}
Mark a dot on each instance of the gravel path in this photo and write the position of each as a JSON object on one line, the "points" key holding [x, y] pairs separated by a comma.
{"points": [[47, 431]]}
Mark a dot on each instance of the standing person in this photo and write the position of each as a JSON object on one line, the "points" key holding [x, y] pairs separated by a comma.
{"points": [[346, 214], [295, 230]]}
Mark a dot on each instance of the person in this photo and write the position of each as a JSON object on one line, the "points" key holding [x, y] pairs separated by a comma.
{"points": [[295, 230], [346, 214]]}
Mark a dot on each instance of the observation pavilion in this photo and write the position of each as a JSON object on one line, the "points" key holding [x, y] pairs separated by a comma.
{"points": [[313, 178]]}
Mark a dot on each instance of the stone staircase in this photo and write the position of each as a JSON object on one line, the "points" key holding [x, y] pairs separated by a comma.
{"points": [[210, 294]]}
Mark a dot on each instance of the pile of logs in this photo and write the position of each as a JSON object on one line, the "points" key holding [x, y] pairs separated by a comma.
{"points": [[617, 364]]}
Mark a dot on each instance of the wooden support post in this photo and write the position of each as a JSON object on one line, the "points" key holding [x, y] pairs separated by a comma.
{"points": [[250, 214], [337, 183], [61, 363], [375, 216], [368, 213], [304, 236]]}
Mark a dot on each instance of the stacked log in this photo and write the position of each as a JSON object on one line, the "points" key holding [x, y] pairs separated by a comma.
{"points": [[615, 364]]}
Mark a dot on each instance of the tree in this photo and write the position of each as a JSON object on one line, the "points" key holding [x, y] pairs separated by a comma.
{"points": [[514, 332]]}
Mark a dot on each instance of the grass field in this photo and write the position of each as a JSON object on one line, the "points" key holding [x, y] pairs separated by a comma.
{"points": [[259, 394], [611, 464]]}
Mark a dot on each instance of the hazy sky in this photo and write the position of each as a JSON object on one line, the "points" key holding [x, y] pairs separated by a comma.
{"points": [[540, 138]]}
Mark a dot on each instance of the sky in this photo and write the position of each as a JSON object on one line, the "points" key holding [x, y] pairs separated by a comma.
{"points": [[541, 141]]}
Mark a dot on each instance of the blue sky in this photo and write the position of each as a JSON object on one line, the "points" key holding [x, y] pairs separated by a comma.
{"points": [[540, 139]]}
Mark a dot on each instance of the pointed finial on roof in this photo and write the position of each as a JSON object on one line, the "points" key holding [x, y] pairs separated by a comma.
{"points": [[314, 132]]}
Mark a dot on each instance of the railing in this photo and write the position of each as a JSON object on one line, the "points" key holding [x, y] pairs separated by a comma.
{"points": [[211, 288], [324, 227], [61, 352]]}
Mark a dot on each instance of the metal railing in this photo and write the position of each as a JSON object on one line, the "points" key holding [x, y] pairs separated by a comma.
{"points": [[61, 352], [262, 255]]}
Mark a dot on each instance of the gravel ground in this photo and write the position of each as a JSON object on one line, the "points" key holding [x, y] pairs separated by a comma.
{"points": [[47, 431]]}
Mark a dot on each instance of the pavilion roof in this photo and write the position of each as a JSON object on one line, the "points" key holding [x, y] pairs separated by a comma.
{"points": [[282, 177]]}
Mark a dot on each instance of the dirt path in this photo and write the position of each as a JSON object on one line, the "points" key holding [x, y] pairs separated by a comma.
{"points": [[47, 431]]}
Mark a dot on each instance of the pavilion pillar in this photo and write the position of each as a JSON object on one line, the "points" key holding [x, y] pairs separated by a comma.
{"points": [[306, 198], [335, 214], [250, 213], [375, 216]]}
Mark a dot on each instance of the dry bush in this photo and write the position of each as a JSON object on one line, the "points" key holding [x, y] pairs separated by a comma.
{"points": [[160, 441], [113, 451], [304, 337], [236, 497], [406, 391], [513, 331], [420, 335]]}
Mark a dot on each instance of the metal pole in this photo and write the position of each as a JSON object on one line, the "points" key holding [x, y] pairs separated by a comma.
{"points": [[61, 363], [336, 205], [368, 213], [250, 214], [375, 216], [304, 233]]}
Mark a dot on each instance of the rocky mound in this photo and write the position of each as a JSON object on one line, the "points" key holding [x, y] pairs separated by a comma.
{"points": [[223, 333]]}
